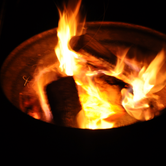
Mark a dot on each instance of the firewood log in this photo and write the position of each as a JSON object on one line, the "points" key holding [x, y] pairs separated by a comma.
{"points": [[64, 101], [93, 52], [86, 43], [99, 56]]}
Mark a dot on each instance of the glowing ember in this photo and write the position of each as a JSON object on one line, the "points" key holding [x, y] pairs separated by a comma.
{"points": [[99, 103]]}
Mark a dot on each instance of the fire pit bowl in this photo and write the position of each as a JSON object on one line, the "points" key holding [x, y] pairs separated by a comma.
{"points": [[19, 67]]}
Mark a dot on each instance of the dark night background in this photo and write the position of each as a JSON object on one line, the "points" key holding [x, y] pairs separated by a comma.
{"points": [[22, 19]]}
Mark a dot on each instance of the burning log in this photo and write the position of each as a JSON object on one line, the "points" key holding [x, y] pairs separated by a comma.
{"points": [[64, 101], [91, 46], [111, 88], [113, 81], [99, 56], [93, 51]]}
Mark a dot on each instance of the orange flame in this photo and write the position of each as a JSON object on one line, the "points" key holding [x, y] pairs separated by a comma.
{"points": [[67, 27], [38, 85], [144, 86], [94, 106], [95, 101]]}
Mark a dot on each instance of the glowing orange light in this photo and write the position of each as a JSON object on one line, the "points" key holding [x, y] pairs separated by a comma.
{"points": [[143, 88], [96, 106]]}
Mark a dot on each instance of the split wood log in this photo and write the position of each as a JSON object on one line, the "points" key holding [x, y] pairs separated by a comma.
{"points": [[91, 46], [99, 56], [93, 52], [64, 101]]}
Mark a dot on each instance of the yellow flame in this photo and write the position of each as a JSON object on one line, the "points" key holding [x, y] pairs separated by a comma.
{"points": [[67, 27], [96, 106], [120, 65], [136, 103], [93, 104]]}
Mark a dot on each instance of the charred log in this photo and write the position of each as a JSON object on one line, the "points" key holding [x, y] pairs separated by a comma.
{"points": [[64, 101], [99, 56], [89, 45]]}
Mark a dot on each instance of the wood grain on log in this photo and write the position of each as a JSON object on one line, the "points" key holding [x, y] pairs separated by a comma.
{"points": [[93, 52], [93, 47]]}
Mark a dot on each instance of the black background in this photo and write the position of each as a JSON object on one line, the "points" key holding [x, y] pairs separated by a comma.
{"points": [[22, 19]]}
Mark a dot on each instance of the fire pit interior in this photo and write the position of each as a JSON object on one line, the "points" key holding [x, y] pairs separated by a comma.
{"points": [[110, 63]]}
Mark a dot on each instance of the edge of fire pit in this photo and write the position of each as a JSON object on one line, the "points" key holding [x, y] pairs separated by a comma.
{"points": [[128, 25], [14, 55]]}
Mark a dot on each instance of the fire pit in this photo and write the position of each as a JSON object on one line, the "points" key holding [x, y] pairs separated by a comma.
{"points": [[96, 75], [18, 71]]}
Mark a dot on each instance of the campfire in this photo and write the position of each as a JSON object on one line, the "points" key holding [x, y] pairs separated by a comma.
{"points": [[86, 84]]}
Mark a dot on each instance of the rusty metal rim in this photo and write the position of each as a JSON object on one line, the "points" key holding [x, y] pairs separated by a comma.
{"points": [[51, 31]]}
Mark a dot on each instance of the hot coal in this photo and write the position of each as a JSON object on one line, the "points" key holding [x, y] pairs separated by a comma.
{"points": [[121, 119], [30, 105], [64, 101]]}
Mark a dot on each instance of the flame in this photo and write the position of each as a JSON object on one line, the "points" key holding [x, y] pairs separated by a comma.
{"points": [[67, 27], [95, 100], [94, 106], [144, 86], [38, 85], [95, 103]]}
